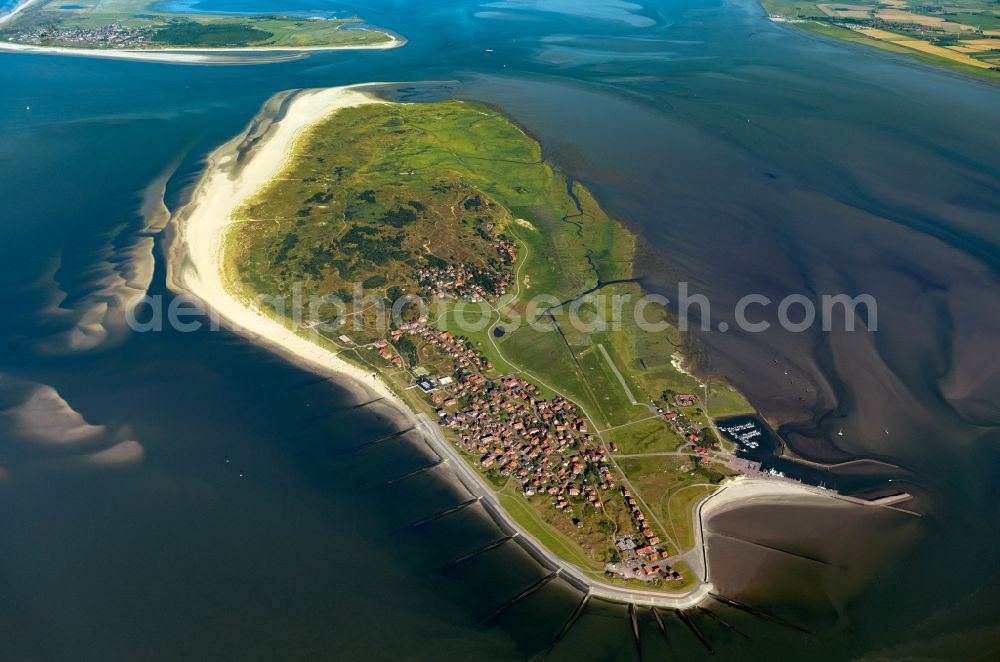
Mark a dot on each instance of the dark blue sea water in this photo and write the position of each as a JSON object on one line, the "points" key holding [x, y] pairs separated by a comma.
{"points": [[207, 509]]}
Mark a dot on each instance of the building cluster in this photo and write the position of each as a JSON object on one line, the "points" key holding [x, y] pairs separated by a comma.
{"points": [[464, 357], [507, 250], [685, 400], [113, 35], [388, 353], [692, 432], [469, 282], [649, 550], [637, 565], [544, 444]]}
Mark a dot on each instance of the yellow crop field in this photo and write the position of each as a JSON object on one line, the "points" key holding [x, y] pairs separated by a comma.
{"points": [[879, 34], [979, 45], [924, 47], [901, 16]]}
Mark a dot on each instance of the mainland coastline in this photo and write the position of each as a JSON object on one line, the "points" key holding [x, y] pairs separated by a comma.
{"points": [[241, 168]]}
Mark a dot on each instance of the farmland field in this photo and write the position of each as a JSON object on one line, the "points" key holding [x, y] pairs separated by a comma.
{"points": [[958, 36]]}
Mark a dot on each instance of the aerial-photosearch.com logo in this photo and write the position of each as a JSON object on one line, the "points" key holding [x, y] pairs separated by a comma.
{"points": [[595, 312]]}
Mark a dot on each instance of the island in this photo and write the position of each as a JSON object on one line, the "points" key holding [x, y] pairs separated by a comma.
{"points": [[963, 35], [121, 27], [430, 252]]}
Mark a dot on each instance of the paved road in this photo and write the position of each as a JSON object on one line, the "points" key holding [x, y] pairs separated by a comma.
{"points": [[571, 573]]}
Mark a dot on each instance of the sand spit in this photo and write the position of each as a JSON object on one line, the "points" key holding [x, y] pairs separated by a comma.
{"points": [[196, 55]]}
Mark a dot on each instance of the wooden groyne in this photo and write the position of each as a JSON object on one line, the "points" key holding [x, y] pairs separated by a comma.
{"points": [[564, 630], [474, 553], [634, 620], [758, 613], [520, 596], [718, 619], [443, 513], [375, 442], [408, 474], [662, 628], [686, 620]]}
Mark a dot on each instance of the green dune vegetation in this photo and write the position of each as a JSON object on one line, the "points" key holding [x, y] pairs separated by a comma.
{"points": [[592, 437], [136, 24], [963, 35]]}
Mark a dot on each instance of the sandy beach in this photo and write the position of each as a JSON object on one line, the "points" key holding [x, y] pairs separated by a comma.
{"points": [[744, 491], [190, 55], [200, 228]]}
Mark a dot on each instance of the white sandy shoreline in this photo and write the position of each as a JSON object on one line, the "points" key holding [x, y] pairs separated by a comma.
{"points": [[190, 55], [195, 264]]}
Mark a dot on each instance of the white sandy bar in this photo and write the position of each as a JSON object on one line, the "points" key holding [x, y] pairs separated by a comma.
{"points": [[189, 55]]}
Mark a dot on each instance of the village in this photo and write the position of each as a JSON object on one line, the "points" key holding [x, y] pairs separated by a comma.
{"points": [[465, 281], [544, 444], [113, 35], [538, 445]]}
